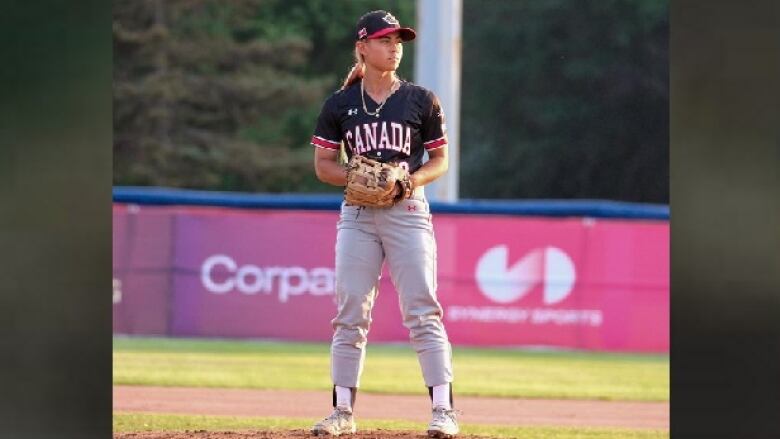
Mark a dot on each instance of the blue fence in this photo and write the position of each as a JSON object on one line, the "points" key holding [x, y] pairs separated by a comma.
{"points": [[553, 208]]}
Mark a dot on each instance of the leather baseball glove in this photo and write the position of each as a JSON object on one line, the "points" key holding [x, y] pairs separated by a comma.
{"points": [[372, 183]]}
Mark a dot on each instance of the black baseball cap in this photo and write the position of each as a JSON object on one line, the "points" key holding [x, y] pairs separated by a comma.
{"points": [[377, 24]]}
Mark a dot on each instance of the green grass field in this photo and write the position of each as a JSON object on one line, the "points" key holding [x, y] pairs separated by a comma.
{"points": [[143, 422], [390, 369]]}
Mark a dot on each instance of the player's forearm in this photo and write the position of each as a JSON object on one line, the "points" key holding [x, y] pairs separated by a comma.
{"points": [[331, 172], [430, 171]]}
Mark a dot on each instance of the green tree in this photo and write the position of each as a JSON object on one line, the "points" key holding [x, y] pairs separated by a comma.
{"points": [[560, 98], [565, 99], [225, 95]]}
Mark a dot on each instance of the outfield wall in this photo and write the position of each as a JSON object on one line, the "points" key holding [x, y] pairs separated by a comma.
{"points": [[578, 282]]}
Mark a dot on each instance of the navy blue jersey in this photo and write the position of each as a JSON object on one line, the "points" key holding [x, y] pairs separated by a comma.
{"points": [[410, 122]]}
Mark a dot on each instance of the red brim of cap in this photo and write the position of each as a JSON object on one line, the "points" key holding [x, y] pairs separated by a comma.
{"points": [[406, 33]]}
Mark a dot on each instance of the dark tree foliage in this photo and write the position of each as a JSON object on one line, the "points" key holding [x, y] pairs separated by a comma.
{"points": [[560, 98], [565, 99], [224, 94]]}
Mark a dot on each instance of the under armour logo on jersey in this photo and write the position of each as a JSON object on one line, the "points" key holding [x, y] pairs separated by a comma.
{"points": [[391, 20], [352, 111], [411, 207]]}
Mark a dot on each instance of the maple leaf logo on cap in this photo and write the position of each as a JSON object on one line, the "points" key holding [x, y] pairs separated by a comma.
{"points": [[390, 19]]}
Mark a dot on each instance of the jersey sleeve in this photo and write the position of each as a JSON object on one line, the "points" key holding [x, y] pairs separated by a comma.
{"points": [[434, 130], [327, 134]]}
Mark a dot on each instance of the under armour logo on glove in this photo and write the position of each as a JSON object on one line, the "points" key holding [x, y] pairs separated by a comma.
{"points": [[411, 208]]}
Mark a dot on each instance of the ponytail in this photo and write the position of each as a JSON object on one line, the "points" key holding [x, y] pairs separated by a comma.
{"points": [[357, 71]]}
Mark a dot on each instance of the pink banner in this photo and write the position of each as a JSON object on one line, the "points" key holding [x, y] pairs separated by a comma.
{"points": [[574, 283], [142, 256], [569, 283]]}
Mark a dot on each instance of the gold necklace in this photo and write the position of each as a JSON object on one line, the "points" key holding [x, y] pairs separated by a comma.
{"points": [[393, 89]]}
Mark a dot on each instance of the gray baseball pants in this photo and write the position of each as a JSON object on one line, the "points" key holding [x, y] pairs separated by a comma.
{"points": [[403, 236]]}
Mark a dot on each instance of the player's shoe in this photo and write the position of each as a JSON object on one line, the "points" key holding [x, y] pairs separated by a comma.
{"points": [[444, 424], [339, 422]]}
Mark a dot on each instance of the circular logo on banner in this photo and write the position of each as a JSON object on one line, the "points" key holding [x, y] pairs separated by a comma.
{"points": [[549, 266]]}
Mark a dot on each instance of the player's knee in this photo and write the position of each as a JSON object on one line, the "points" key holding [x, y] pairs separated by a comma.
{"points": [[426, 327], [421, 309], [354, 312], [353, 296]]}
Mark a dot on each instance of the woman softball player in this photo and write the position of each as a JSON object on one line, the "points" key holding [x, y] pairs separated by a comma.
{"points": [[377, 115]]}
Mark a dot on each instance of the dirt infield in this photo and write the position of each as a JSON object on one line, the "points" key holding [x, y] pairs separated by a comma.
{"points": [[315, 405]]}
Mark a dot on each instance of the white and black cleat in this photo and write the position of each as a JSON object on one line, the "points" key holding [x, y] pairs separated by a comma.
{"points": [[444, 424]]}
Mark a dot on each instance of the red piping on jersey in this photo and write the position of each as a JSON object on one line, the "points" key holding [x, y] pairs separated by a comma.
{"points": [[324, 143], [436, 143]]}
